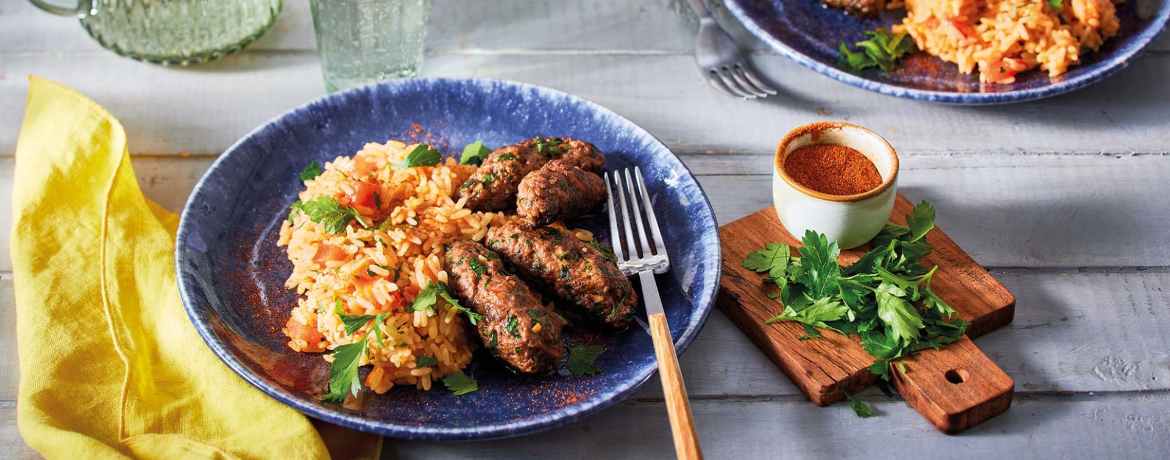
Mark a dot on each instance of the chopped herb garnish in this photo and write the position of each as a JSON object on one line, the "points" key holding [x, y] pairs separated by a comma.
{"points": [[378, 200], [425, 298], [332, 216], [506, 157], [424, 361], [537, 316], [422, 155], [311, 172], [603, 249], [547, 145], [445, 293], [488, 177], [460, 383], [565, 275], [873, 299], [354, 323], [512, 326], [495, 341], [293, 210], [859, 408], [1017, 7], [475, 153], [343, 373], [882, 49], [1056, 5], [581, 359], [475, 266]]}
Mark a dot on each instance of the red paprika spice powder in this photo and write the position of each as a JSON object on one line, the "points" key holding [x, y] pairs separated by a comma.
{"points": [[832, 169]]}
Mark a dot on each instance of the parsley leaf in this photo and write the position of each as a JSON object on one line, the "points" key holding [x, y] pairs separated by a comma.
{"points": [[445, 293], [332, 216], [920, 221], [604, 250], [859, 408], [354, 323], [425, 298], [311, 172], [901, 317], [293, 210], [460, 383], [343, 373], [424, 361], [1056, 5], [581, 359], [422, 155], [475, 266], [475, 153], [880, 49], [512, 326], [773, 259]]}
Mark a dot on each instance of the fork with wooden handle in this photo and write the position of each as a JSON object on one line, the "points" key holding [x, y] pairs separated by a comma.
{"points": [[645, 259]]}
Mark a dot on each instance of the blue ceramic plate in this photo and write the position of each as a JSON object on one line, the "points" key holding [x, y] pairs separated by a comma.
{"points": [[231, 273], [810, 34]]}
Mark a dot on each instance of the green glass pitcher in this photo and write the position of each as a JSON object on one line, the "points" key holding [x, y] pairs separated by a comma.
{"points": [[171, 31]]}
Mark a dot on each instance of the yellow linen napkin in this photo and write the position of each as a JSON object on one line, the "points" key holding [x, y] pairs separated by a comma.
{"points": [[110, 366]]}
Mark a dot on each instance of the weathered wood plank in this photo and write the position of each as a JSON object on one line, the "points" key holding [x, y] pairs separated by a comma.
{"points": [[1127, 426], [1006, 217], [1122, 427], [621, 26], [204, 111], [1077, 332]]}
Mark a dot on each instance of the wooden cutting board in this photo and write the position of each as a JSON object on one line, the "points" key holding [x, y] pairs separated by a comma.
{"points": [[955, 387]]}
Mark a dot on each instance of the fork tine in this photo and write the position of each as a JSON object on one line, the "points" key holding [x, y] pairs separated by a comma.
{"points": [[718, 84], [751, 76], [630, 242], [744, 84], [659, 246], [614, 236], [732, 85], [638, 215]]}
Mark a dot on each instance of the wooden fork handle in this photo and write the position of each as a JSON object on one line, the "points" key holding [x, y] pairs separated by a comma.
{"points": [[682, 423]]}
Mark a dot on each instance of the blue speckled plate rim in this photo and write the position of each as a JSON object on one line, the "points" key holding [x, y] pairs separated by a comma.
{"points": [[357, 422], [1116, 63]]}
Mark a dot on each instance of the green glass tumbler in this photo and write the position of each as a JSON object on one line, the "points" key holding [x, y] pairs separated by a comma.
{"points": [[170, 32], [366, 41]]}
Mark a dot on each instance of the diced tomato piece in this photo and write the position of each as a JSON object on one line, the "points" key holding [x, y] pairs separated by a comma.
{"points": [[966, 29], [308, 333], [364, 195], [329, 252], [1002, 71]]}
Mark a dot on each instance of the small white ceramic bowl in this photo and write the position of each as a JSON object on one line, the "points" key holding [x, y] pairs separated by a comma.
{"points": [[850, 220]]}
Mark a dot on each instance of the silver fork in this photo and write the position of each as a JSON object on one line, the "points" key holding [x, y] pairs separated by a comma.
{"points": [[641, 258], [721, 62]]}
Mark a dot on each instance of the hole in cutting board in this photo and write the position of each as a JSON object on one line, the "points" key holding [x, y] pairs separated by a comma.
{"points": [[956, 376]]}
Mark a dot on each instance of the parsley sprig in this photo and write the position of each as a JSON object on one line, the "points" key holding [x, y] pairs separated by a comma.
{"points": [[421, 155], [874, 299], [581, 359], [327, 211], [881, 49], [474, 154], [432, 292], [343, 373], [311, 172]]}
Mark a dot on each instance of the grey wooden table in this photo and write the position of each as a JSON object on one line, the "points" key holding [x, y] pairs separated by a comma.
{"points": [[1065, 200]]}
